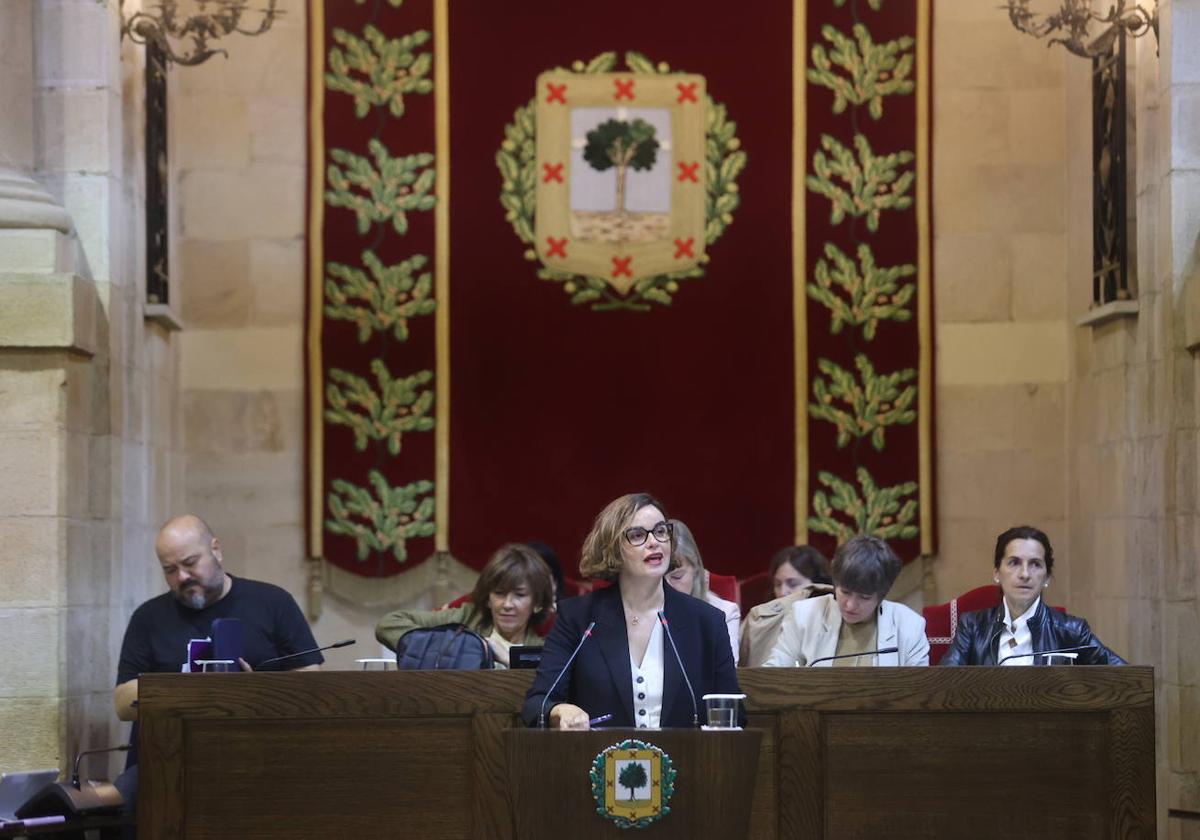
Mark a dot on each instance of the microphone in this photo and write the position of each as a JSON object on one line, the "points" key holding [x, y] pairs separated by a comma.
{"points": [[542, 711], [75, 770], [342, 643], [1076, 649], [852, 655], [691, 692]]}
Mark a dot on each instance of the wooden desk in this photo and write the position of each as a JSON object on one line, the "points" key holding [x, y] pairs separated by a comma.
{"points": [[896, 752]]}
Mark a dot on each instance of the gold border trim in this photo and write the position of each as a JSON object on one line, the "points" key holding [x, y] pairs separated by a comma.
{"points": [[925, 306], [316, 218], [799, 301], [441, 271]]}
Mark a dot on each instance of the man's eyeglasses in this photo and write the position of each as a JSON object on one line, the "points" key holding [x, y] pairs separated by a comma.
{"points": [[637, 535]]}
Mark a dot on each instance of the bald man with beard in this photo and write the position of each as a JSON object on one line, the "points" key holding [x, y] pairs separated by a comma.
{"points": [[200, 592]]}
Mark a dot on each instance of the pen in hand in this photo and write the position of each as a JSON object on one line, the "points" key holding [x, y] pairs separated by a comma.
{"points": [[601, 719]]}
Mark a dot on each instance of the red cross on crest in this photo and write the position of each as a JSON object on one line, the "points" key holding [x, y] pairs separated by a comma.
{"points": [[556, 247], [552, 172], [557, 93], [687, 92], [689, 172], [621, 265], [683, 247], [624, 89]]}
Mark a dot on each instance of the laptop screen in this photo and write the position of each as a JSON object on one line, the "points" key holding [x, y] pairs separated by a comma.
{"points": [[18, 788]]}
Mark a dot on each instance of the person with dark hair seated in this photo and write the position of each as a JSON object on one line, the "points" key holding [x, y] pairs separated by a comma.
{"points": [[854, 619], [1022, 626], [797, 566], [514, 592], [629, 670]]}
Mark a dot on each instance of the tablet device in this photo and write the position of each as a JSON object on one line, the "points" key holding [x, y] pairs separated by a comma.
{"points": [[524, 656]]}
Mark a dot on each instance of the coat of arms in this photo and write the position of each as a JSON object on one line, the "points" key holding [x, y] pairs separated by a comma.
{"points": [[632, 783], [619, 181]]}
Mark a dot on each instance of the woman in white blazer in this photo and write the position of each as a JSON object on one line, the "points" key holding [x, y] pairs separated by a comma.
{"points": [[690, 578], [854, 619]]}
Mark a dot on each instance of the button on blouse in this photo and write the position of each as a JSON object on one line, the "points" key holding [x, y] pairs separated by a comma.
{"points": [[648, 682]]}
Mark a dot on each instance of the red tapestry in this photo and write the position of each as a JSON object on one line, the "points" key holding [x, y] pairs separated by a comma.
{"points": [[557, 255]]}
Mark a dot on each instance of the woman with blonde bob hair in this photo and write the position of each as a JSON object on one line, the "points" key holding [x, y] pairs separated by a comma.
{"points": [[690, 577], [627, 670], [514, 593]]}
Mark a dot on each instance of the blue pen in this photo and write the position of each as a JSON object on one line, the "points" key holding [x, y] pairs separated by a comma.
{"points": [[600, 719]]}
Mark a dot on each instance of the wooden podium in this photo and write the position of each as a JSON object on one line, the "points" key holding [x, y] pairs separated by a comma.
{"points": [[856, 752], [551, 799]]}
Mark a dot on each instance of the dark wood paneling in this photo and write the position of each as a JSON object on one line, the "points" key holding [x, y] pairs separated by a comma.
{"points": [[1131, 736], [1006, 775], [933, 752], [764, 809], [324, 778], [552, 791]]}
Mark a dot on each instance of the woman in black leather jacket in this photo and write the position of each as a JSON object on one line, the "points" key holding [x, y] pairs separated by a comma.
{"points": [[1022, 626]]}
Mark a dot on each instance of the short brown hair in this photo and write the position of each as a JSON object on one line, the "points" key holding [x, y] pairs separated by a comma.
{"points": [[865, 565], [512, 566], [600, 556]]}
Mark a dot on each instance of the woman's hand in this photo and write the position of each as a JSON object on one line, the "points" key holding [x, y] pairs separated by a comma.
{"points": [[499, 653], [566, 716]]}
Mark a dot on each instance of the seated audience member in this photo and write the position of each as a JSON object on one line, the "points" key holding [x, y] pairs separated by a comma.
{"points": [[514, 592], [854, 619], [797, 566], [690, 578], [762, 624], [201, 591], [1022, 624], [627, 668]]}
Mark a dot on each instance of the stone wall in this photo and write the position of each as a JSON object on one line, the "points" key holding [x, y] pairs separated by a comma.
{"points": [[1133, 416], [89, 455], [1001, 206]]}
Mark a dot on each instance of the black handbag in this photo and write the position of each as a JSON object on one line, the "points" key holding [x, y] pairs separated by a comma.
{"points": [[446, 647]]}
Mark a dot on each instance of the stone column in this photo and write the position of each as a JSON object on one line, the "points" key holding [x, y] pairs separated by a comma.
{"points": [[48, 337]]}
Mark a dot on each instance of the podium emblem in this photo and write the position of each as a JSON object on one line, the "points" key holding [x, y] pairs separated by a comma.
{"points": [[632, 783]]}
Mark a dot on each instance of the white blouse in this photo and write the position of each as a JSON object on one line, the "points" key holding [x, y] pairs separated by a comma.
{"points": [[1016, 637], [648, 682]]}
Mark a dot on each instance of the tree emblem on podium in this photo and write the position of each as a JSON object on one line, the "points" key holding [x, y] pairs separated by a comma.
{"points": [[632, 783]]}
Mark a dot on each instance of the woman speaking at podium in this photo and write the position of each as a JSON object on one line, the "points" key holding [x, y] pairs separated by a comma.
{"points": [[628, 664]]}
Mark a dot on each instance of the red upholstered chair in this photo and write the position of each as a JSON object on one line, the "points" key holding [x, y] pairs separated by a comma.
{"points": [[756, 589], [941, 620], [725, 586]]}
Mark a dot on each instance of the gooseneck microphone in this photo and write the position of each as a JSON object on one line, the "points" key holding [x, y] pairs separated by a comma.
{"points": [[82, 753], [542, 711], [1076, 649], [691, 691], [852, 655], [342, 643]]}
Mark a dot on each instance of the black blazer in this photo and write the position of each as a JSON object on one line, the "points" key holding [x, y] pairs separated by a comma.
{"points": [[600, 680], [978, 637]]}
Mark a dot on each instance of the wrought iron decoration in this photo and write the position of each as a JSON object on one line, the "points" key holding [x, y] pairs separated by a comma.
{"points": [[1073, 23], [212, 20]]}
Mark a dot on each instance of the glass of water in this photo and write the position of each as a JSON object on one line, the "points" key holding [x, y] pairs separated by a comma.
{"points": [[721, 710]]}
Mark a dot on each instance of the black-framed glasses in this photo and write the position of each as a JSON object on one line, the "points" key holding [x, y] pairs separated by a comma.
{"points": [[638, 535]]}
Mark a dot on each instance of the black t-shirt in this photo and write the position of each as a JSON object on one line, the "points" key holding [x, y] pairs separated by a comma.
{"points": [[158, 632]]}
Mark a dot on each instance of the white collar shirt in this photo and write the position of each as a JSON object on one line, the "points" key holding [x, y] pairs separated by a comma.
{"points": [[648, 682], [1016, 637]]}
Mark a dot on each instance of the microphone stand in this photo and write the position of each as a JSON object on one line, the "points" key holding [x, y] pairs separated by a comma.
{"points": [[853, 655], [542, 711], [691, 691]]}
